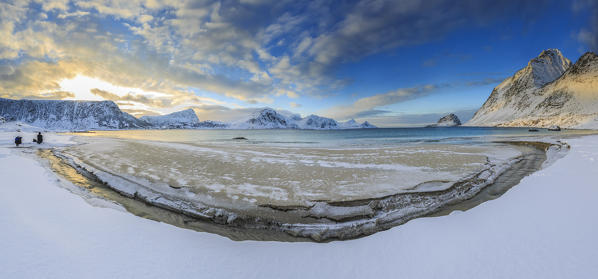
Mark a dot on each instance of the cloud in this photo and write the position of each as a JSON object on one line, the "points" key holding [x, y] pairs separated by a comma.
{"points": [[446, 56], [149, 101], [369, 105], [418, 120], [370, 113], [222, 113], [589, 34], [246, 50], [294, 105], [139, 112], [486, 81], [54, 95]]}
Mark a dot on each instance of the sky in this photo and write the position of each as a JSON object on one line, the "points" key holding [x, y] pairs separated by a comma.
{"points": [[392, 63]]}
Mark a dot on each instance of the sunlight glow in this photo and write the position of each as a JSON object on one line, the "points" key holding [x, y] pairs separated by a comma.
{"points": [[81, 86]]}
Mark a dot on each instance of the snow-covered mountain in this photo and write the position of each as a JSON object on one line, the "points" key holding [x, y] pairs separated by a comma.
{"points": [[180, 119], [450, 120], [549, 91], [317, 122], [352, 124], [268, 118], [90, 115], [68, 115]]}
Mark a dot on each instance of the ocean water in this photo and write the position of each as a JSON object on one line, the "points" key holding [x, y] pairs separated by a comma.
{"points": [[345, 138]]}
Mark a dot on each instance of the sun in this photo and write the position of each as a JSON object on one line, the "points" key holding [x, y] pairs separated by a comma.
{"points": [[81, 87]]}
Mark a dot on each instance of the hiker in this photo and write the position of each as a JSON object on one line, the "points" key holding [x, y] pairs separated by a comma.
{"points": [[18, 140], [40, 138]]}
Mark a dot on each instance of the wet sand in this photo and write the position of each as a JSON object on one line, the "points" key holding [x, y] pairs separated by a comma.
{"points": [[322, 220]]}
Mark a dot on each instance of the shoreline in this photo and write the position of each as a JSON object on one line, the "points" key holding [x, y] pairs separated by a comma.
{"points": [[544, 227], [364, 217]]}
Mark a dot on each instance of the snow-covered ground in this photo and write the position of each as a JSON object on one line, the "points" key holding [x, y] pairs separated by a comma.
{"points": [[546, 227]]}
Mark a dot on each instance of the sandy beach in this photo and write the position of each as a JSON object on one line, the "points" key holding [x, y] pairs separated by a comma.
{"points": [[543, 227]]}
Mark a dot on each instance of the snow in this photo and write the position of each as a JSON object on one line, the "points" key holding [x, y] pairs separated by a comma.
{"points": [[268, 118], [176, 119], [545, 227], [8, 131], [68, 115], [549, 91], [548, 66], [449, 120]]}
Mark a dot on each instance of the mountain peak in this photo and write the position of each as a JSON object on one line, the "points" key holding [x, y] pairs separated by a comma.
{"points": [[268, 118], [448, 120], [586, 63], [534, 97], [547, 66], [68, 115], [176, 119]]}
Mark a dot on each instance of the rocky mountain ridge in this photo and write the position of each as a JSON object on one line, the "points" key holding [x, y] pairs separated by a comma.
{"points": [[268, 118], [548, 91], [101, 115], [177, 119], [69, 115]]}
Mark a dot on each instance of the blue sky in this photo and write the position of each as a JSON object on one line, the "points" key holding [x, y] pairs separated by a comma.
{"points": [[393, 63]]}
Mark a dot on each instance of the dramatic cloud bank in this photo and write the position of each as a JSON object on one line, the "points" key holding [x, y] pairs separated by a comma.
{"points": [[231, 53]]}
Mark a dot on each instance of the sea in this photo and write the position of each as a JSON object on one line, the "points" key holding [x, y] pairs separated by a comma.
{"points": [[348, 137]]}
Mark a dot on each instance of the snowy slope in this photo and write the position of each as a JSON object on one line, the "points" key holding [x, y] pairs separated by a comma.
{"points": [[90, 115], [545, 227], [68, 115], [179, 119], [317, 122], [268, 118], [539, 96]]}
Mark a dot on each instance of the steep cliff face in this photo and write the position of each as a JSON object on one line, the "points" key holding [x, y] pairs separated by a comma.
{"points": [[68, 115], [539, 96], [180, 119]]}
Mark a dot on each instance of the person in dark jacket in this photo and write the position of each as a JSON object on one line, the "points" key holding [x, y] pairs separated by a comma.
{"points": [[40, 138], [18, 140]]}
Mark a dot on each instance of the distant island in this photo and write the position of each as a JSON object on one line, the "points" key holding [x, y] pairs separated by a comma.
{"points": [[450, 120]]}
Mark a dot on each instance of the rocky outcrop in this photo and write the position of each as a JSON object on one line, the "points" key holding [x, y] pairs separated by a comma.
{"points": [[449, 120]]}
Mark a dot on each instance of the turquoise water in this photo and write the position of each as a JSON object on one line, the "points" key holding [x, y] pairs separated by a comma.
{"points": [[353, 137]]}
